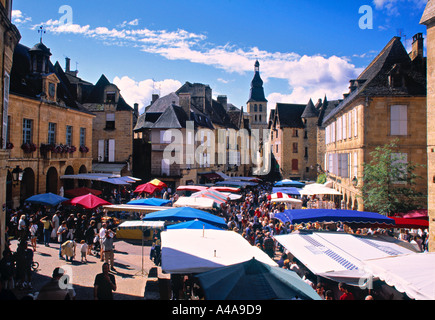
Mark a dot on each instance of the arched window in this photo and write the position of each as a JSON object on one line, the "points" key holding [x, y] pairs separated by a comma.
{"points": [[261, 108], [255, 108]]}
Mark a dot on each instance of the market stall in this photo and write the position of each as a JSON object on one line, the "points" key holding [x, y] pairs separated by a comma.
{"points": [[187, 251]]}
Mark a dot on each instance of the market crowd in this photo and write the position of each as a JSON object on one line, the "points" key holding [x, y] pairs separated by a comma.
{"points": [[92, 232]]}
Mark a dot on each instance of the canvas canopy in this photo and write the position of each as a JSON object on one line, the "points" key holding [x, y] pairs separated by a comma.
{"points": [[339, 256], [133, 208], [198, 203], [333, 215], [413, 273], [318, 189], [186, 251]]}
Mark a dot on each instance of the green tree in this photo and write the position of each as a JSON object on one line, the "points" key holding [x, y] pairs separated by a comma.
{"points": [[389, 182]]}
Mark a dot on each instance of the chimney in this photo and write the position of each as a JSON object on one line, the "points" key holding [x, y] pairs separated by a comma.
{"points": [[67, 64], [154, 98], [136, 109], [184, 101], [417, 46], [223, 101]]}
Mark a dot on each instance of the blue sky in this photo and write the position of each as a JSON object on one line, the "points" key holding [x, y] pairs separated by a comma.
{"points": [[306, 49]]}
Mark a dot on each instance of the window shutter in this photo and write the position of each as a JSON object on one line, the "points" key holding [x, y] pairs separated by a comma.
{"points": [[111, 150], [100, 150]]}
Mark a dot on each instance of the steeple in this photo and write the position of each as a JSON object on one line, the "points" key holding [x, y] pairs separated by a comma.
{"points": [[257, 90]]}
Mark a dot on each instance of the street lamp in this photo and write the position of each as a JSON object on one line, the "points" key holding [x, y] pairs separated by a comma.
{"points": [[17, 174], [354, 181]]}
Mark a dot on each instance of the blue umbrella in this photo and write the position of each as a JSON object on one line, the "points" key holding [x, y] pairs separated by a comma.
{"points": [[289, 183], [332, 215], [185, 214], [254, 280], [288, 190], [150, 202], [193, 224], [47, 199]]}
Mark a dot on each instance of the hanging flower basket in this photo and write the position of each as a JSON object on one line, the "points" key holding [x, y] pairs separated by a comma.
{"points": [[84, 149], [45, 148], [28, 147], [70, 149]]}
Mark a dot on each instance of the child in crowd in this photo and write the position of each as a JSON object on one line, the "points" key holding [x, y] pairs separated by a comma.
{"points": [[83, 250]]}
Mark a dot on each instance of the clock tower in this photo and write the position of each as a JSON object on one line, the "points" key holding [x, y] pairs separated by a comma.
{"points": [[257, 103]]}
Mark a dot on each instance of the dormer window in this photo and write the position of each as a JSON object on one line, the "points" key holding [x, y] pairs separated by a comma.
{"points": [[110, 97], [51, 89]]}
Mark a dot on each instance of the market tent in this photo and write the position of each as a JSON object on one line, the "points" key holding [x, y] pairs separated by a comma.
{"points": [[198, 203], [186, 251], [140, 224], [82, 191], [185, 214], [88, 201], [283, 197], [47, 199], [236, 184], [410, 223], [332, 215], [132, 208], [118, 180], [225, 189], [193, 224], [192, 188], [289, 183], [318, 189], [254, 280], [287, 190], [413, 273], [218, 197], [415, 214], [149, 202], [337, 255]]}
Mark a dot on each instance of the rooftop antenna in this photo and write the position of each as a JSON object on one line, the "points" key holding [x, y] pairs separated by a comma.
{"points": [[401, 34], [41, 31]]}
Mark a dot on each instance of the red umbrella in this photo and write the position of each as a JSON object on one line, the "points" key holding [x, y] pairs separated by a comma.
{"points": [[89, 201], [147, 188], [416, 214], [158, 183], [82, 191]]}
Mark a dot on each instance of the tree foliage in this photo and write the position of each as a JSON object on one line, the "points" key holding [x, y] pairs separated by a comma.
{"points": [[389, 182]]}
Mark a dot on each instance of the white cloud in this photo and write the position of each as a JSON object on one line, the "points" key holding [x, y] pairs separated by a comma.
{"points": [[19, 18], [306, 75], [141, 91], [391, 6]]}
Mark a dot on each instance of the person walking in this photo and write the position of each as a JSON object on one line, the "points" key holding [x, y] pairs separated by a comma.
{"points": [[104, 284], [46, 225], [107, 248], [33, 229]]}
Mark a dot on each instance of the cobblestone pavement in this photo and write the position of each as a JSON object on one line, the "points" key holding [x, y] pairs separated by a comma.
{"points": [[130, 276]]}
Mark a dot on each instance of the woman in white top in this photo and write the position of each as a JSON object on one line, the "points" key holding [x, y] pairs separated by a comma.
{"points": [[33, 234]]}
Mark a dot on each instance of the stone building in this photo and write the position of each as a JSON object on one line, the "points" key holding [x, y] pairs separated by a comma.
{"points": [[112, 129], [257, 102], [287, 140], [46, 126], [192, 102], [428, 19], [10, 37], [386, 102]]}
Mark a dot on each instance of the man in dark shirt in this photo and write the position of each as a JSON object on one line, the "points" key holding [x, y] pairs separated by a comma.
{"points": [[104, 284]]}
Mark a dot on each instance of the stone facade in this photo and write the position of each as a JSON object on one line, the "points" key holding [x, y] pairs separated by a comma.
{"points": [[428, 19], [9, 39], [365, 121], [42, 171]]}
